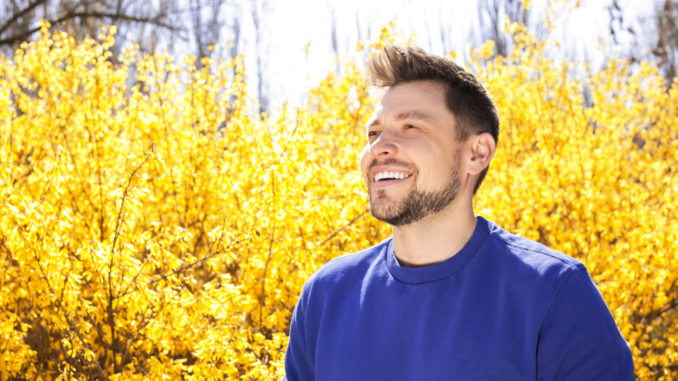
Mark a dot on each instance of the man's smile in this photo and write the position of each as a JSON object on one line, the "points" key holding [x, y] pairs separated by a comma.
{"points": [[389, 175], [383, 177]]}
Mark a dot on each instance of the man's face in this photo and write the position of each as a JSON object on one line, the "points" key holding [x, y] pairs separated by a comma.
{"points": [[412, 161]]}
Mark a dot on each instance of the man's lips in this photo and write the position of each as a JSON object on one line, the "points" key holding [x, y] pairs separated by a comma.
{"points": [[388, 182], [383, 176]]}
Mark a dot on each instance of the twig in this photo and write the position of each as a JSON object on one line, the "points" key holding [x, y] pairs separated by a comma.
{"points": [[346, 226], [71, 325], [111, 298], [185, 267], [20, 14], [101, 15]]}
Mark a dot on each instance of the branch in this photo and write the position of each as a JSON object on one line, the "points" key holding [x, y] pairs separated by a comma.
{"points": [[177, 271], [271, 241], [115, 16], [122, 205], [185, 267], [14, 18], [654, 314], [336, 232], [72, 327], [22, 36]]}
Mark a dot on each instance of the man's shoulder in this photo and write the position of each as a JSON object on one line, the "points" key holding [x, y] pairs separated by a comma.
{"points": [[531, 272], [350, 266], [531, 255]]}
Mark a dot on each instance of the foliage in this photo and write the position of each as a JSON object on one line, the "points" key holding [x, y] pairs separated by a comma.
{"points": [[596, 182], [150, 226]]}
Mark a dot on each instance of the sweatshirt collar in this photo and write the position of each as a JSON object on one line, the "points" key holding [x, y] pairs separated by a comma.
{"points": [[442, 270]]}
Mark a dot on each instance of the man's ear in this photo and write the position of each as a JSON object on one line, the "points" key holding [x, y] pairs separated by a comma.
{"points": [[482, 151]]}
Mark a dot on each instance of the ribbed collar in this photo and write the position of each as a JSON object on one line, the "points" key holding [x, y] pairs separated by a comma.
{"points": [[442, 270]]}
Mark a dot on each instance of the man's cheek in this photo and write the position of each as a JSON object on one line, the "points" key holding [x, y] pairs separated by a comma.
{"points": [[363, 164]]}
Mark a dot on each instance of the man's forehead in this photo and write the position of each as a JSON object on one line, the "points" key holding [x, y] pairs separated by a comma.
{"points": [[374, 119], [409, 114], [416, 92], [417, 100]]}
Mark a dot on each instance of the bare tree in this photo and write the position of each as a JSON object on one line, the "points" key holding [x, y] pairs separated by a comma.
{"points": [[492, 15], [666, 48], [206, 19], [235, 30], [259, 11], [19, 19], [654, 38], [179, 27]]}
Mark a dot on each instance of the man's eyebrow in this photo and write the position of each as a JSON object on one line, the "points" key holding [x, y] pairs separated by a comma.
{"points": [[413, 115], [405, 115]]}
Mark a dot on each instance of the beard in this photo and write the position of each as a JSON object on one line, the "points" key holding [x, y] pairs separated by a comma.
{"points": [[417, 204]]}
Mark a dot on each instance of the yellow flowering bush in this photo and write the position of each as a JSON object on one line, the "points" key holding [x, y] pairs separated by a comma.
{"points": [[588, 168], [152, 227]]}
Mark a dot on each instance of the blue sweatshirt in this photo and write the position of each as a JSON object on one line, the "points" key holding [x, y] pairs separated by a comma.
{"points": [[502, 308]]}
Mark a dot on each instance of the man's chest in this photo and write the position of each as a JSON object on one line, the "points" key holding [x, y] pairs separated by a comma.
{"points": [[414, 333]]}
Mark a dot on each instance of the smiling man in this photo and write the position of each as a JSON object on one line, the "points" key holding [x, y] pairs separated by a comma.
{"points": [[451, 296]]}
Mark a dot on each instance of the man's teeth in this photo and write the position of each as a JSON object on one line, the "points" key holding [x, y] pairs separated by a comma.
{"points": [[389, 175]]}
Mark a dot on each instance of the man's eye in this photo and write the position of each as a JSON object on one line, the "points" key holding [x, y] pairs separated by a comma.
{"points": [[372, 133], [408, 126]]}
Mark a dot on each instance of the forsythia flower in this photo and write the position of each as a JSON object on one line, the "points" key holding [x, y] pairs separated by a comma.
{"points": [[152, 227]]}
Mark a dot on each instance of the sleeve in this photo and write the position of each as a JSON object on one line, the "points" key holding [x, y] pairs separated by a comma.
{"points": [[298, 361], [579, 339]]}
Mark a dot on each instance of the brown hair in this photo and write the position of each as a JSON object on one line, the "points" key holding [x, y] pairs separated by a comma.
{"points": [[473, 109]]}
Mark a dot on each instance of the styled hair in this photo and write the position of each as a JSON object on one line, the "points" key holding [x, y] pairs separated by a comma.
{"points": [[473, 109]]}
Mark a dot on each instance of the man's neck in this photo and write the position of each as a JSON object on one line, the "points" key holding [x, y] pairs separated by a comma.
{"points": [[434, 238]]}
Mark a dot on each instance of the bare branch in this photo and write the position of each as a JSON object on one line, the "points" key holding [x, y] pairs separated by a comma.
{"points": [[15, 17], [112, 16], [346, 226], [122, 204], [72, 327]]}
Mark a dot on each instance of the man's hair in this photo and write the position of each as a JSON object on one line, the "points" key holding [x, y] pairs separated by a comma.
{"points": [[473, 109]]}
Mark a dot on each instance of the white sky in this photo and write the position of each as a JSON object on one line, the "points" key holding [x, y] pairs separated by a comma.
{"points": [[291, 25]]}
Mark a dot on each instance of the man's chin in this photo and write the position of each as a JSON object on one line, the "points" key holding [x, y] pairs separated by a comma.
{"points": [[380, 211], [390, 214]]}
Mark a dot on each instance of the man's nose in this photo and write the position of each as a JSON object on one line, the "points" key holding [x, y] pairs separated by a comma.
{"points": [[384, 145]]}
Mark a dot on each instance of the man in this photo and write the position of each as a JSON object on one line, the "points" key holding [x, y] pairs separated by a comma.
{"points": [[450, 296]]}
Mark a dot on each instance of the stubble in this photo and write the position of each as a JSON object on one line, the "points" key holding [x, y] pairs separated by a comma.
{"points": [[417, 204]]}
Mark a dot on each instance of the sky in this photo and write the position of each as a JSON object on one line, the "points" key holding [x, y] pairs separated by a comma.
{"points": [[297, 44]]}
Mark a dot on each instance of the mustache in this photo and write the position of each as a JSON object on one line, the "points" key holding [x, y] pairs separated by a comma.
{"points": [[390, 161]]}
